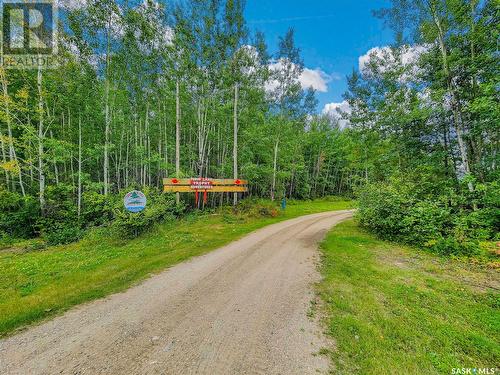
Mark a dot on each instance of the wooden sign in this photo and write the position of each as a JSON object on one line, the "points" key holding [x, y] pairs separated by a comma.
{"points": [[204, 185], [201, 184], [214, 182], [213, 189]]}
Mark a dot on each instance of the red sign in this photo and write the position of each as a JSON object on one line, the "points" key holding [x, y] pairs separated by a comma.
{"points": [[201, 184]]}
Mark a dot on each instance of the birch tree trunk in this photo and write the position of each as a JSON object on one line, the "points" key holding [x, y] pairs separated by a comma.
{"points": [[41, 174], [166, 142], [4, 157], [275, 167], [54, 162], [79, 166], [107, 115], [127, 164], [457, 121], [8, 120], [235, 143], [177, 136]]}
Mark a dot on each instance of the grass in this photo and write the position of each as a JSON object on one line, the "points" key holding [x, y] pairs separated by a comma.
{"points": [[396, 310], [38, 284]]}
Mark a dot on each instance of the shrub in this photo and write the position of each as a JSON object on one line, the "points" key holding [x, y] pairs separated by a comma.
{"points": [[60, 224], [425, 221], [257, 208], [451, 246], [442, 221], [382, 209], [160, 207], [56, 232], [97, 209], [20, 217], [18, 214]]}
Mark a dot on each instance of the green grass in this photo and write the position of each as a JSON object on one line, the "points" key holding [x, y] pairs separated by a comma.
{"points": [[396, 310], [35, 285]]}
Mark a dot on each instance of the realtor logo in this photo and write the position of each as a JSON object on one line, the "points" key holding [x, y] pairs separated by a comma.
{"points": [[29, 35]]}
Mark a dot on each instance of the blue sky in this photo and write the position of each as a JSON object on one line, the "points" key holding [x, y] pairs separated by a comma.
{"points": [[332, 34]]}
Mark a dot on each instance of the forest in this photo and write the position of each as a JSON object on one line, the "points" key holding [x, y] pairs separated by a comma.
{"points": [[147, 89]]}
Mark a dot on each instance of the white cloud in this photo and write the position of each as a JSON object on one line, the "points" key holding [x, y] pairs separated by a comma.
{"points": [[72, 4], [411, 54], [336, 110], [249, 59], [376, 52], [117, 27], [387, 59], [315, 78], [275, 67], [151, 11], [270, 86], [250, 51], [151, 4]]}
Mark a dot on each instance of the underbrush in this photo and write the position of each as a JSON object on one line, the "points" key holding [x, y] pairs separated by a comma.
{"points": [[257, 208], [443, 221], [160, 208], [21, 219]]}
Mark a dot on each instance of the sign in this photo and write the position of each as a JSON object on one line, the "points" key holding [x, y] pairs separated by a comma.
{"points": [[205, 185], [135, 201], [201, 184], [212, 185], [214, 182], [283, 204], [213, 189]]}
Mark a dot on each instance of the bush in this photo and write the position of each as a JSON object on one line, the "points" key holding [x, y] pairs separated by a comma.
{"points": [[97, 209], [18, 214], [60, 224], [257, 208], [20, 217], [425, 221], [451, 246], [160, 207], [382, 209], [60, 233], [445, 223]]}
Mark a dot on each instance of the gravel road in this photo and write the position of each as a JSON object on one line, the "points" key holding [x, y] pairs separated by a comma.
{"points": [[241, 309]]}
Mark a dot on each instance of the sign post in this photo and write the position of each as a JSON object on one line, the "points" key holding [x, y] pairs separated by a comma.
{"points": [[283, 204], [201, 184]]}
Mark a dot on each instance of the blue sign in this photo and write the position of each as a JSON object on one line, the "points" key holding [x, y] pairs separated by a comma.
{"points": [[135, 201]]}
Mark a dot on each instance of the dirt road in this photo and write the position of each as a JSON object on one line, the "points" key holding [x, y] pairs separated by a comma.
{"points": [[242, 309]]}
